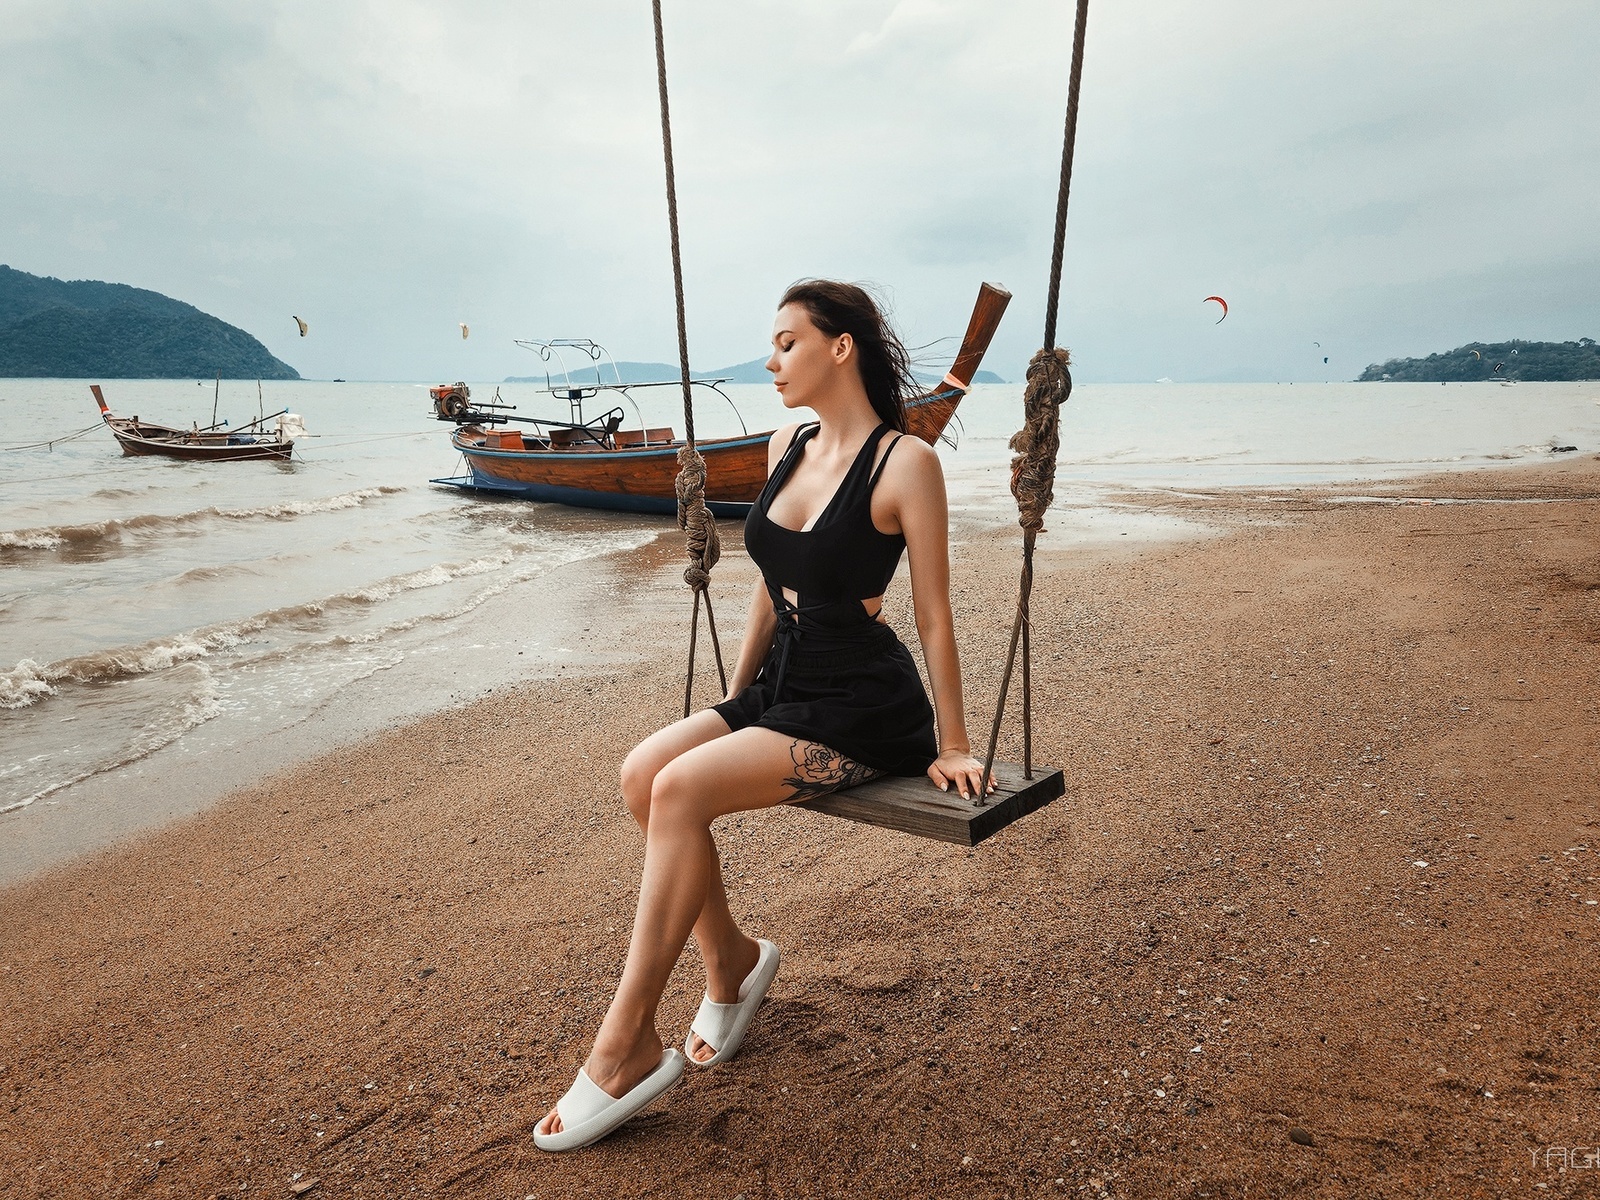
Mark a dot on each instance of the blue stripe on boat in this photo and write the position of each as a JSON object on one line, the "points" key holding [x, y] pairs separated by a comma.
{"points": [[581, 498]]}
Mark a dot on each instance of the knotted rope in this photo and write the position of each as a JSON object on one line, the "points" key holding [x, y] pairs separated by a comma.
{"points": [[694, 518], [1033, 467]]}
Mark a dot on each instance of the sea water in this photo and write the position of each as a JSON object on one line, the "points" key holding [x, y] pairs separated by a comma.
{"points": [[158, 618]]}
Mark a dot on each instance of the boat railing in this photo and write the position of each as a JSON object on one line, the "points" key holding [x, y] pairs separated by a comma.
{"points": [[575, 392]]}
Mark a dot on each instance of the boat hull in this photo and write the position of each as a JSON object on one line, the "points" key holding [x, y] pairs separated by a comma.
{"points": [[201, 450], [138, 437], [641, 480], [644, 479]]}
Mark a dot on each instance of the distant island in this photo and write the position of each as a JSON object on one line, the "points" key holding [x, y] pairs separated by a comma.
{"points": [[1481, 361], [754, 371], [85, 329]]}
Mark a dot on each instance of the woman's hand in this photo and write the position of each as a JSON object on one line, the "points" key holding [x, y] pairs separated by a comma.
{"points": [[960, 768]]}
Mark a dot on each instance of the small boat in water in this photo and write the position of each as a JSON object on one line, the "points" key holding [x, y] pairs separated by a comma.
{"points": [[597, 464], [213, 443]]}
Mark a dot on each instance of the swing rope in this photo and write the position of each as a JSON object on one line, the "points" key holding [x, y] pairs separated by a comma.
{"points": [[703, 545], [1033, 465]]}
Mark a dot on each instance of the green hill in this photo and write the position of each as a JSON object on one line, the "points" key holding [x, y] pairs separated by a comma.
{"points": [[51, 328], [1494, 360]]}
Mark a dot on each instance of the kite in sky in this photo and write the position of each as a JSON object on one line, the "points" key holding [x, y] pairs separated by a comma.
{"points": [[1220, 301], [463, 325], [303, 326]]}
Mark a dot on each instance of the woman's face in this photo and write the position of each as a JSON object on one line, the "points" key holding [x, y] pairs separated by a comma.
{"points": [[805, 361]]}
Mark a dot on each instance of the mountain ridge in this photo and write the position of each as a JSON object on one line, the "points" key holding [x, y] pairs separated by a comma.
{"points": [[1484, 361], [87, 328]]}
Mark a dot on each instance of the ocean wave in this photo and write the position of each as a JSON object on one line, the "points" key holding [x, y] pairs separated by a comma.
{"points": [[23, 684], [469, 604], [201, 706], [52, 537], [218, 571], [29, 681], [431, 577], [1129, 457], [367, 637]]}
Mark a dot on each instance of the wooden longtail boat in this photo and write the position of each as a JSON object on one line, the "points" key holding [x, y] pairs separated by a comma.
{"points": [[597, 464], [210, 444]]}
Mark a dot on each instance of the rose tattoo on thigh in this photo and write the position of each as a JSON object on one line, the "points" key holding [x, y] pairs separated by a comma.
{"points": [[819, 771]]}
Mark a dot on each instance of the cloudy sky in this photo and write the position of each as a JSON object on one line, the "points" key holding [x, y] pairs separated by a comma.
{"points": [[1383, 178]]}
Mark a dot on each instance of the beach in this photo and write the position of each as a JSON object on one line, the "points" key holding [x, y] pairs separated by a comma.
{"points": [[1317, 914]]}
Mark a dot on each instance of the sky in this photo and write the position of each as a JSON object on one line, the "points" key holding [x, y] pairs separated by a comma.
{"points": [[1383, 179]]}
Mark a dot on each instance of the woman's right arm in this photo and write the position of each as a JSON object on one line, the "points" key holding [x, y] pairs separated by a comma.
{"points": [[761, 621], [758, 628]]}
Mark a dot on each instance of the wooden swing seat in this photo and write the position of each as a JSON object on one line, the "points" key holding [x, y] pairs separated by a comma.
{"points": [[915, 806]]}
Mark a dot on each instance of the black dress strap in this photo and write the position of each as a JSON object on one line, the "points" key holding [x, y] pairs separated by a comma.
{"points": [[882, 462]]}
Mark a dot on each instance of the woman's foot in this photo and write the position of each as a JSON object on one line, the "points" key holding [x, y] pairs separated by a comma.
{"points": [[616, 1067], [724, 975]]}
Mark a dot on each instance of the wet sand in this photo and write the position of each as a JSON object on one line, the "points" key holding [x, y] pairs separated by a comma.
{"points": [[1316, 916], [555, 615]]}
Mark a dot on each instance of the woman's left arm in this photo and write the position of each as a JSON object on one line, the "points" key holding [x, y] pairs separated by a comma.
{"points": [[916, 490]]}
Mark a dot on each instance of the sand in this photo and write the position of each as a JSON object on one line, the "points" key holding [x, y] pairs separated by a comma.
{"points": [[1317, 915]]}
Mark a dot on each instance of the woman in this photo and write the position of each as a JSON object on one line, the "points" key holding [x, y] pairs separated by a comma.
{"points": [[823, 695]]}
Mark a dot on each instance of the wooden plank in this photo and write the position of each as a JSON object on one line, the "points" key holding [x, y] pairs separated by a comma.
{"points": [[916, 807], [986, 314]]}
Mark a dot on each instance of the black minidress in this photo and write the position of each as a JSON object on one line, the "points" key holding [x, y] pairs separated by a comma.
{"points": [[864, 700]]}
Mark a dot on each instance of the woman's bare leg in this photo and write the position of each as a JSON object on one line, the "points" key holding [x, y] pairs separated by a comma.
{"points": [[751, 769], [728, 954]]}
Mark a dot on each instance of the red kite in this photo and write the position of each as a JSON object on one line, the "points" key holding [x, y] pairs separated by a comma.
{"points": [[1220, 301]]}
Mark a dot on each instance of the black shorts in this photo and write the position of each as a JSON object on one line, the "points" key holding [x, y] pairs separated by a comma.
{"points": [[866, 702]]}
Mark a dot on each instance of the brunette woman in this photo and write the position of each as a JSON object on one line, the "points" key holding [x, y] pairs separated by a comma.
{"points": [[824, 696]]}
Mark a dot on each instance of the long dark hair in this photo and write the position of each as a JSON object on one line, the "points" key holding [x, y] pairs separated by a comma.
{"points": [[836, 308]]}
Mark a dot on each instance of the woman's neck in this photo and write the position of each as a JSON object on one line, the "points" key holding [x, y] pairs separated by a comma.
{"points": [[845, 418]]}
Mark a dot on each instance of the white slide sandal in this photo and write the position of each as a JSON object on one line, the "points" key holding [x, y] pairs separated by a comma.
{"points": [[722, 1026], [589, 1112]]}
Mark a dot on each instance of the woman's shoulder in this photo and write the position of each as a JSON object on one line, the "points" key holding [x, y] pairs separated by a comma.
{"points": [[782, 438], [910, 472], [910, 492], [910, 458]]}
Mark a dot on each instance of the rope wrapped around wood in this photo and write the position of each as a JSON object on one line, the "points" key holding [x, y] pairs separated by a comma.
{"points": [[704, 545], [1033, 466]]}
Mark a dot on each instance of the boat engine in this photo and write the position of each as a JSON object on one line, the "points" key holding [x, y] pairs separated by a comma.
{"points": [[291, 426], [450, 400]]}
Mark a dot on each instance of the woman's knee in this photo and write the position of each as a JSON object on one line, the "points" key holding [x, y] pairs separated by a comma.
{"points": [[676, 796], [638, 776]]}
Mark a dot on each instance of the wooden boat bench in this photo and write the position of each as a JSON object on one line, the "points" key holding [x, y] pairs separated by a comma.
{"points": [[586, 435], [639, 437]]}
